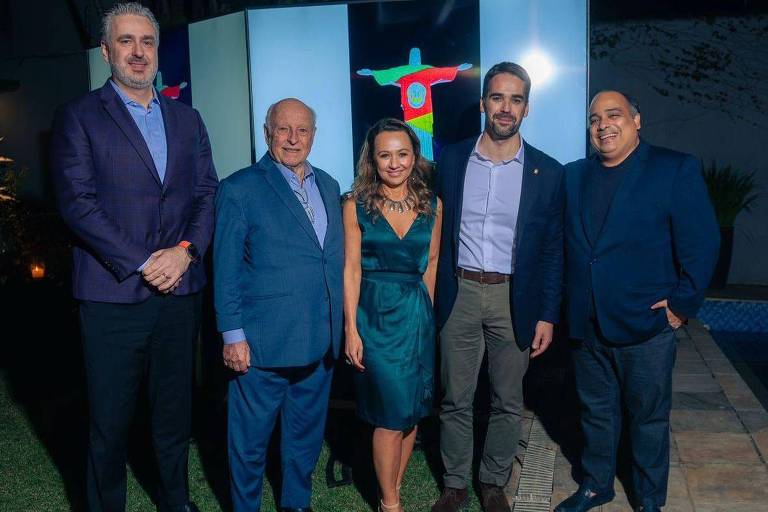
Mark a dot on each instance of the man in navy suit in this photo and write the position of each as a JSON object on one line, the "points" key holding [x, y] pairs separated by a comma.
{"points": [[641, 245], [136, 184], [498, 282], [278, 262]]}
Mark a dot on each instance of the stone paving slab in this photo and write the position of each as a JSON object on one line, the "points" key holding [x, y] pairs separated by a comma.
{"points": [[721, 447], [718, 438]]}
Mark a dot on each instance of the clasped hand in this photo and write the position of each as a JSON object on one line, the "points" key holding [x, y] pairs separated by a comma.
{"points": [[165, 268]]}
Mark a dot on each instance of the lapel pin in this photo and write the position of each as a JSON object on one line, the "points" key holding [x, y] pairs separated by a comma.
{"points": [[535, 171]]}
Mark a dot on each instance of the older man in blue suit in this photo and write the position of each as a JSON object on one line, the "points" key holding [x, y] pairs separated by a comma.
{"points": [[278, 261], [641, 245], [498, 282], [136, 184]]}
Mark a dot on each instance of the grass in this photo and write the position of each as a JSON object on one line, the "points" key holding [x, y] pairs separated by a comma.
{"points": [[41, 467]]}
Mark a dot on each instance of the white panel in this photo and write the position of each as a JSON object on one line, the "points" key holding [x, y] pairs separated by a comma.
{"points": [[549, 39], [303, 52], [218, 60]]}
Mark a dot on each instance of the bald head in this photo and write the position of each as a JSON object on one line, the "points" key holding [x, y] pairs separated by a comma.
{"points": [[614, 124], [287, 102], [289, 130]]}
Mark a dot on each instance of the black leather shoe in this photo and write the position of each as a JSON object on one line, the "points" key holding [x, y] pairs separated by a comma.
{"points": [[648, 508], [300, 509], [493, 499], [191, 507], [452, 500], [584, 499]]}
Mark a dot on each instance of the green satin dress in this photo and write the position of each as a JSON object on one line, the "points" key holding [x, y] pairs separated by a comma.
{"points": [[396, 323]]}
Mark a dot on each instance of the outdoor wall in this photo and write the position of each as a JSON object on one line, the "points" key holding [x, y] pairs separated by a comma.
{"points": [[730, 130]]}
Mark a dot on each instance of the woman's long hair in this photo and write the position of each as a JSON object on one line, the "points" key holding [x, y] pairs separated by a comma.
{"points": [[366, 188]]}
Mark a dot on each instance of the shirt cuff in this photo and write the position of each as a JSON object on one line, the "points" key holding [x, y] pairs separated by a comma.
{"points": [[233, 336], [141, 268]]}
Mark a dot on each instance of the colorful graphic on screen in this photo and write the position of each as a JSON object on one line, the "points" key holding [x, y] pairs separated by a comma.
{"points": [[173, 76], [169, 91], [415, 81]]}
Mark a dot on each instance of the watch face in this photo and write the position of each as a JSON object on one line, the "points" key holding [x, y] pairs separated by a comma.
{"points": [[193, 253]]}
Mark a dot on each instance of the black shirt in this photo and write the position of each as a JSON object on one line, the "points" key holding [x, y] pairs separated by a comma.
{"points": [[600, 187]]}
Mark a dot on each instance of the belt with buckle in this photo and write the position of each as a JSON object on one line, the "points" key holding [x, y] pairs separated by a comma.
{"points": [[479, 276]]}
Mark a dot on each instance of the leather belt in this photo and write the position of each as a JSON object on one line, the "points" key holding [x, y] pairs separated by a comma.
{"points": [[483, 277]]}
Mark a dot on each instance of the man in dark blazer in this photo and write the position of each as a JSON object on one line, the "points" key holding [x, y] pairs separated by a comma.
{"points": [[641, 245], [278, 262], [136, 185], [498, 282]]}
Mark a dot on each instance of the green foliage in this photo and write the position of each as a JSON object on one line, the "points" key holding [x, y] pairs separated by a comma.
{"points": [[12, 218], [28, 231], [731, 191]]}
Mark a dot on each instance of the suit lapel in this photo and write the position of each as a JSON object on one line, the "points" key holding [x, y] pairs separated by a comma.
{"points": [[171, 138], [586, 218], [460, 175], [528, 191], [286, 195], [330, 201], [622, 199], [119, 113]]}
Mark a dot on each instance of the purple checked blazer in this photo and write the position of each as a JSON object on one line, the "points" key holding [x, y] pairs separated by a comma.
{"points": [[111, 196]]}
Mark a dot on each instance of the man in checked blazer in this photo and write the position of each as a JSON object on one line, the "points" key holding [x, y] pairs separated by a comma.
{"points": [[136, 184]]}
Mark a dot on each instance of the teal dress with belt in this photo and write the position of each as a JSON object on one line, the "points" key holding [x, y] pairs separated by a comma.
{"points": [[396, 323]]}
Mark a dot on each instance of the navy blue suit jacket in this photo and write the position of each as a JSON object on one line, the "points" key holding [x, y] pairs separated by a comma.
{"points": [[111, 196], [536, 290], [272, 277], [660, 241]]}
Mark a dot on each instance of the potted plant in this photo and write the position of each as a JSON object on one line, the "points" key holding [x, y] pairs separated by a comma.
{"points": [[731, 191]]}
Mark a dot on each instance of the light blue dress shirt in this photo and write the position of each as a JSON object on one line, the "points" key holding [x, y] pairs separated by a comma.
{"points": [[490, 204], [308, 195], [150, 123]]}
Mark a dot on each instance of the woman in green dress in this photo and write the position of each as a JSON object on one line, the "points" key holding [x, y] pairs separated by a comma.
{"points": [[392, 236]]}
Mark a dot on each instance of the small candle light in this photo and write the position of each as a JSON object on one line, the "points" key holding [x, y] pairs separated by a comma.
{"points": [[37, 270]]}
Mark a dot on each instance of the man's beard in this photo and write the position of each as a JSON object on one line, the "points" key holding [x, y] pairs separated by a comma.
{"points": [[499, 133], [130, 81]]}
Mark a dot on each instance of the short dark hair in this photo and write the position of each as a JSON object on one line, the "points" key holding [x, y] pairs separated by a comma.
{"points": [[511, 68], [634, 105]]}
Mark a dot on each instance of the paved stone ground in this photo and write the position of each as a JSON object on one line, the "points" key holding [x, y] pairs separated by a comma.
{"points": [[719, 437]]}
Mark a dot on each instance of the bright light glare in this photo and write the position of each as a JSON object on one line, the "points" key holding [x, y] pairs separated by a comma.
{"points": [[539, 67]]}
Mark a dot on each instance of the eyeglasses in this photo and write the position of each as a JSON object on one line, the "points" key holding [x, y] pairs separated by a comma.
{"points": [[303, 197]]}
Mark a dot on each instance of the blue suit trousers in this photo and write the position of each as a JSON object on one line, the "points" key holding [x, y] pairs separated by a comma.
{"points": [[300, 396]]}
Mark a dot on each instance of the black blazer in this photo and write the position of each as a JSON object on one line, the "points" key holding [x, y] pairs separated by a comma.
{"points": [[537, 285]]}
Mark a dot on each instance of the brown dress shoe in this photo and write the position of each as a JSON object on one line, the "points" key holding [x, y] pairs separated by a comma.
{"points": [[452, 500], [494, 499]]}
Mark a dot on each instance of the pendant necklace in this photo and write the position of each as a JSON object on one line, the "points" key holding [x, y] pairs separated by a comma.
{"points": [[401, 206]]}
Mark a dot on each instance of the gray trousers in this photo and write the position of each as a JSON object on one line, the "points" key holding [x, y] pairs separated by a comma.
{"points": [[480, 321]]}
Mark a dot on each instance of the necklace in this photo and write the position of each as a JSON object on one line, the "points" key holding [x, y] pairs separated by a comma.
{"points": [[401, 206]]}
